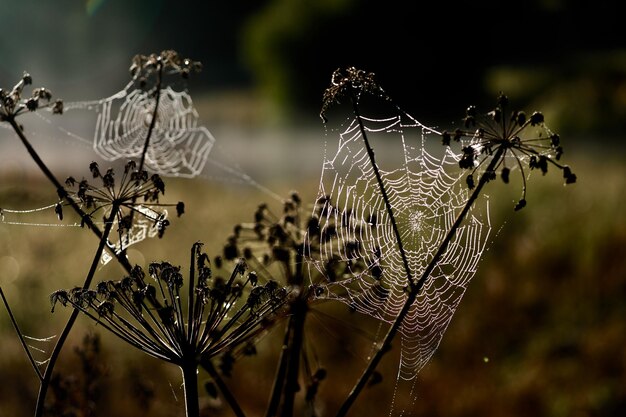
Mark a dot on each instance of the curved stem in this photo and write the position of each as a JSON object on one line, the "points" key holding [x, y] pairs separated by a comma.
{"points": [[415, 289], [45, 383], [64, 194]]}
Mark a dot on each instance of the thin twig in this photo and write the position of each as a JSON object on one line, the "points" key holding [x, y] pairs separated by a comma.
{"points": [[45, 383], [383, 190], [21, 336]]}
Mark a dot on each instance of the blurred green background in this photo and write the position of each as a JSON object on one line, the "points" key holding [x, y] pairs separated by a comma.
{"points": [[541, 330]]}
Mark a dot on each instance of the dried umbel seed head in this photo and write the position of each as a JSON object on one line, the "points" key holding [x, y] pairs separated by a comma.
{"points": [[132, 201], [13, 103], [351, 82], [148, 310], [168, 62], [501, 142]]}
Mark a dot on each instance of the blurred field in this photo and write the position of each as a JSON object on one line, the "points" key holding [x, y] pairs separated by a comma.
{"points": [[540, 332]]}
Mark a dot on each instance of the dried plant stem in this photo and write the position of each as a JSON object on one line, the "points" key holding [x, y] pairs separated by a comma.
{"points": [[281, 370], [155, 112], [146, 144], [228, 396], [414, 288], [299, 312], [190, 382], [45, 383], [383, 190], [286, 384], [64, 194], [20, 335]]}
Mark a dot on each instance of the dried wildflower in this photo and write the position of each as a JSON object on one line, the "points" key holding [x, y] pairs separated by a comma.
{"points": [[351, 82], [136, 194], [168, 61], [146, 309], [506, 142], [270, 239], [13, 103]]}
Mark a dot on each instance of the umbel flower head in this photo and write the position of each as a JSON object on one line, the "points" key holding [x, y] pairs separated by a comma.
{"points": [[133, 199], [13, 103], [148, 311], [168, 61], [498, 142]]}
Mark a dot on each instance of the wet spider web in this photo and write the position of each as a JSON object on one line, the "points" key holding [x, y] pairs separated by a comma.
{"points": [[145, 226], [353, 246], [179, 146]]}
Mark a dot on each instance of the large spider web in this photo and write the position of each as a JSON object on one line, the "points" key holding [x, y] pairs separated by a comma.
{"points": [[178, 145], [354, 246]]}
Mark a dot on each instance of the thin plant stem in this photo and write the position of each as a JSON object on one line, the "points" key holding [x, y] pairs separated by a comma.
{"points": [[228, 396], [146, 143], [63, 194], [414, 288], [157, 98], [299, 311], [281, 370], [287, 373], [45, 383], [383, 190], [21, 336]]}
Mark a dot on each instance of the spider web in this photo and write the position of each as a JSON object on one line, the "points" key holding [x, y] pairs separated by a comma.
{"points": [[354, 247], [178, 145], [143, 226]]}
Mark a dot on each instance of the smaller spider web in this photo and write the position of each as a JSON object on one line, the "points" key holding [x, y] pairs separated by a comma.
{"points": [[143, 227], [179, 146], [354, 248], [147, 225]]}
